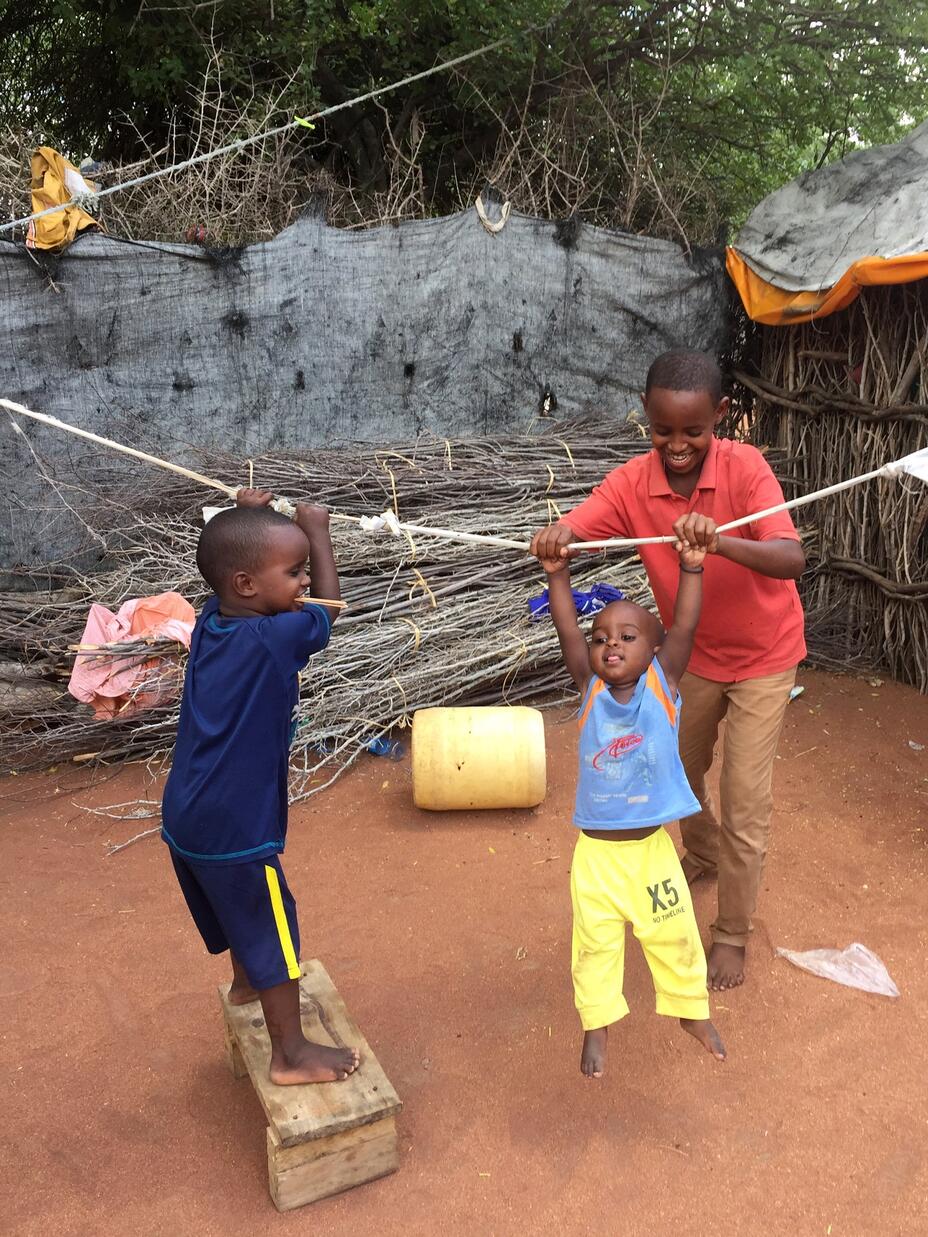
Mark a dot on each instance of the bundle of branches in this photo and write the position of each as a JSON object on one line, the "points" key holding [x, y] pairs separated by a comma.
{"points": [[429, 622], [842, 396]]}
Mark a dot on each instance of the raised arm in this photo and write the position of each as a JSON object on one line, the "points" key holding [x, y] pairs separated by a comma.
{"points": [[323, 574], [674, 653], [574, 647], [551, 543]]}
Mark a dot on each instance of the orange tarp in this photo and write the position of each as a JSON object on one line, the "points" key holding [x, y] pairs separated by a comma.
{"points": [[780, 307]]}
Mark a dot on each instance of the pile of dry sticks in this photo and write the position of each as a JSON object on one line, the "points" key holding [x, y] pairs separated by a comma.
{"points": [[428, 623]]}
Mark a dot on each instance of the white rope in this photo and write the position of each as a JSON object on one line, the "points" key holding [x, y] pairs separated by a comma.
{"points": [[915, 465], [387, 520], [209, 482], [283, 505], [619, 543], [304, 122]]}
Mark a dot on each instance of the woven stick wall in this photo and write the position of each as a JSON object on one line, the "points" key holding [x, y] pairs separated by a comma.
{"points": [[841, 396]]}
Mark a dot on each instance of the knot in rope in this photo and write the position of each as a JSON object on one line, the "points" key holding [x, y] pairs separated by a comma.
{"points": [[377, 523]]}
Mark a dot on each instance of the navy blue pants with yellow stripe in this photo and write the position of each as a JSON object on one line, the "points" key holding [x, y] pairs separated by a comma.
{"points": [[245, 907]]}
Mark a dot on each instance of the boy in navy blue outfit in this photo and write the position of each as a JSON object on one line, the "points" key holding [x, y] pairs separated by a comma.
{"points": [[224, 812]]}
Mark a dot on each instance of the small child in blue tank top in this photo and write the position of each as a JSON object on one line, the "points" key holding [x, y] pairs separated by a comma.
{"points": [[631, 783]]}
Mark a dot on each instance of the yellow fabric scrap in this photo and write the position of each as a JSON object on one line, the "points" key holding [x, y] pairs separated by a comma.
{"points": [[54, 182]]}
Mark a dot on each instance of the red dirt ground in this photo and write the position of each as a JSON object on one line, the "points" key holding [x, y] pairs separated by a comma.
{"points": [[448, 937]]}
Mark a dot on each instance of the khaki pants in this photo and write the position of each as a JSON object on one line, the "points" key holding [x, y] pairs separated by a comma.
{"points": [[736, 848]]}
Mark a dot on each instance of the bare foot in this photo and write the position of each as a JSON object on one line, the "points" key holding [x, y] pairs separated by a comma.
{"points": [[241, 994], [313, 1063], [692, 871], [726, 966], [703, 1030], [593, 1056]]}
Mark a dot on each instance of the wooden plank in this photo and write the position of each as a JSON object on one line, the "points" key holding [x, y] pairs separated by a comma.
{"points": [[325, 1166], [298, 1114]]}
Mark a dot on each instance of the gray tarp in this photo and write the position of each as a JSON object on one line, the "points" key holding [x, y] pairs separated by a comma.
{"points": [[874, 202], [324, 335]]}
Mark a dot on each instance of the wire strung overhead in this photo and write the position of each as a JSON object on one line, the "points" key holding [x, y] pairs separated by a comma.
{"points": [[304, 122]]}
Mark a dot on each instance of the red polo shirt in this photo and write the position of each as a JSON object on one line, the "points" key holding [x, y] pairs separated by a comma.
{"points": [[751, 625]]}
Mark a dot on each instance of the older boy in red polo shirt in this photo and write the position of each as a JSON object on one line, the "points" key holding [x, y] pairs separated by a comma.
{"points": [[750, 637]]}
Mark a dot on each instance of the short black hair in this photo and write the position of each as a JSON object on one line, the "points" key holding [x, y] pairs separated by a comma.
{"points": [[657, 627], [685, 369], [235, 540]]}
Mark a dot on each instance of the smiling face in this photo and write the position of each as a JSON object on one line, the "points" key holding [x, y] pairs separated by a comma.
{"points": [[682, 425], [624, 639], [274, 586]]}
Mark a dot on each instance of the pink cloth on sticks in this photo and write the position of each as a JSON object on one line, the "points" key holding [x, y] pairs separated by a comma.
{"points": [[108, 684]]}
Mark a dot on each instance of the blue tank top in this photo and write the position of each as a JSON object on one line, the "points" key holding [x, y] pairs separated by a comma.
{"points": [[631, 775]]}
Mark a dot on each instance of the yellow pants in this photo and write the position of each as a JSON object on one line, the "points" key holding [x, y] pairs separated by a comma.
{"points": [[638, 882]]}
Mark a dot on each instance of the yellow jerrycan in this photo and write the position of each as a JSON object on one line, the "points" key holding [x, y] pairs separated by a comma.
{"points": [[482, 757]]}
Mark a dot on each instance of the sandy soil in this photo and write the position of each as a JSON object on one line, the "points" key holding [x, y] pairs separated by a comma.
{"points": [[448, 937]]}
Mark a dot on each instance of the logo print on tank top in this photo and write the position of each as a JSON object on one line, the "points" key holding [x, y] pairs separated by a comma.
{"points": [[617, 748]]}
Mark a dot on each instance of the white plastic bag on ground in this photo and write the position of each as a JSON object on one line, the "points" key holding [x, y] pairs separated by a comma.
{"points": [[855, 967]]}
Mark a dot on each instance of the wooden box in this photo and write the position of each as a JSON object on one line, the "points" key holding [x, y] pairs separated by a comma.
{"points": [[324, 1138]]}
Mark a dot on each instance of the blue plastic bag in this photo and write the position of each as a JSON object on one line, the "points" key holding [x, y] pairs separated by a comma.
{"points": [[598, 597], [391, 748]]}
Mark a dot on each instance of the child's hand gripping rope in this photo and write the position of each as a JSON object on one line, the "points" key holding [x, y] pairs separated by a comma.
{"points": [[697, 535]]}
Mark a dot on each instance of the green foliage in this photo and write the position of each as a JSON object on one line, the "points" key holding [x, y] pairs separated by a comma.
{"points": [[673, 115]]}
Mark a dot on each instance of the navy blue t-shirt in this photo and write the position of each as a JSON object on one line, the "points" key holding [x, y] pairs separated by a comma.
{"points": [[226, 797]]}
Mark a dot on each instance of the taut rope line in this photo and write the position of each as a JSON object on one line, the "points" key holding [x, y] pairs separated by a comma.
{"points": [[304, 122], [915, 464]]}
